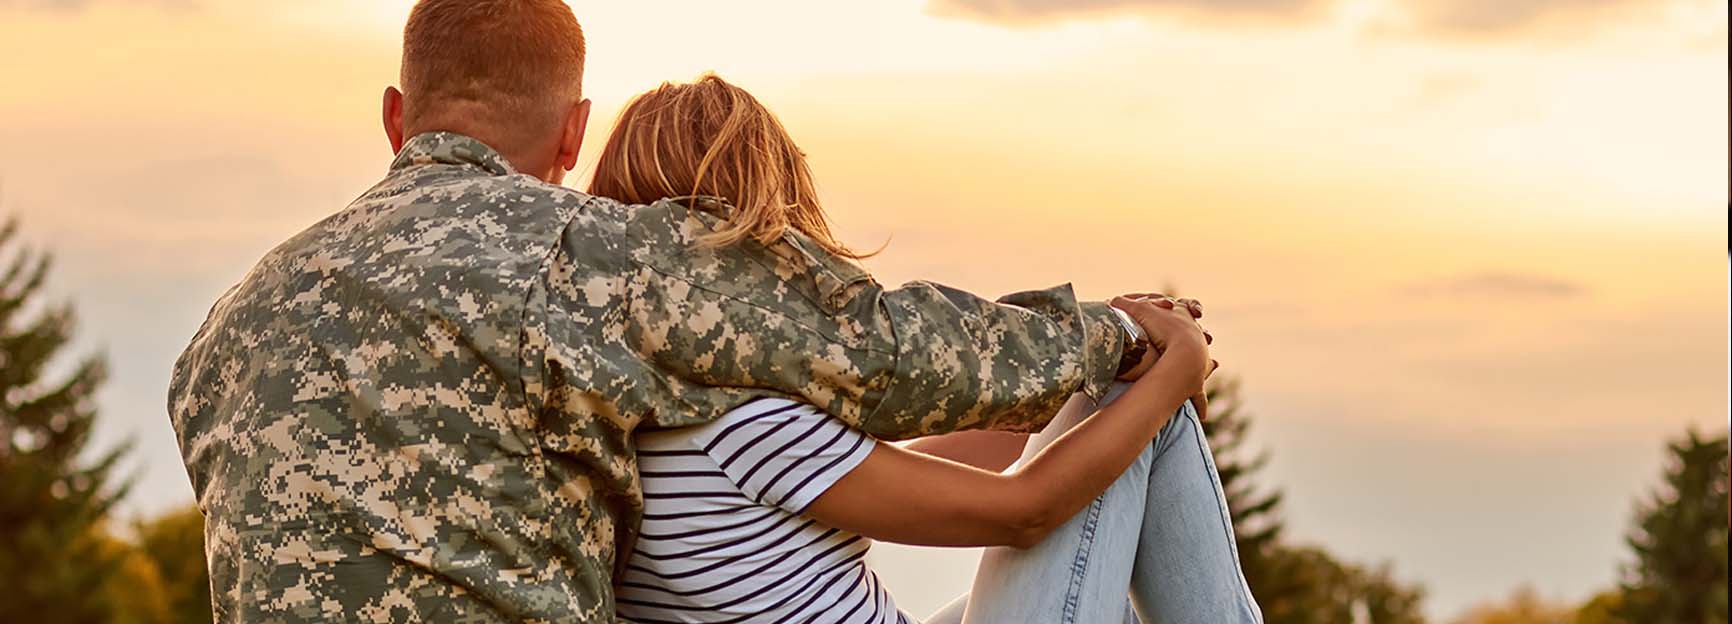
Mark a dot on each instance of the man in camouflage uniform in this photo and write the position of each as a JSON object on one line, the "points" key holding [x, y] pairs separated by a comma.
{"points": [[421, 408]]}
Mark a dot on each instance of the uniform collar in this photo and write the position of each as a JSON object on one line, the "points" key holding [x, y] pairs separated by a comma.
{"points": [[450, 148], [712, 204]]}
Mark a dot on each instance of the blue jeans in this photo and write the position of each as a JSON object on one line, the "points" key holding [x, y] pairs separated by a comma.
{"points": [[1157, 545]]}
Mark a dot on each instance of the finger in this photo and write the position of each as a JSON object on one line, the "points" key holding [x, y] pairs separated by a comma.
{"points": [[1127, 304], [1195, 306], [1143, 312], [1163, 303], [1133, 306]]}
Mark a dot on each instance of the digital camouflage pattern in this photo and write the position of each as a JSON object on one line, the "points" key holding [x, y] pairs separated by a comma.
{"points": [[421, 408]]}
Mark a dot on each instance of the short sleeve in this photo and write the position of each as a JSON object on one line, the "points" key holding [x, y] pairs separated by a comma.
{"points": [[782, 453]]}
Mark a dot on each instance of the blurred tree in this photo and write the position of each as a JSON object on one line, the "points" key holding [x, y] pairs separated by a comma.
{"points": [[1293, 585], [1679, 576], [174, 543], [54, 558], [1523, 607], [1334, 592], [1601, 609], [134, 591]]}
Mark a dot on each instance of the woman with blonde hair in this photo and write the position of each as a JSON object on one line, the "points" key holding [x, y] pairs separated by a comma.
{"points": [[1111, 514]]}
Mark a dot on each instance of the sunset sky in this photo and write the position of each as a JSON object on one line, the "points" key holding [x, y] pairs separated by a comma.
{"points": [[1466, 255]]}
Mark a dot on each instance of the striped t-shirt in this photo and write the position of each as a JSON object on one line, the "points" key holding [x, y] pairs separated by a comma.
{"points": [[723, 539]]}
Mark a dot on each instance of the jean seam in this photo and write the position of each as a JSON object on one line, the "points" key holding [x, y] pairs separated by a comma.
{"points": [[1246, 601], [1079, 568]]}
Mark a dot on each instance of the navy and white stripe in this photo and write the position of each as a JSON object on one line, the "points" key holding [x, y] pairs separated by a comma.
{"points": [[723, 539]]}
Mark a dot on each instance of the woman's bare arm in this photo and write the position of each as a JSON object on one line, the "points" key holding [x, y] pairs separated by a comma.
{"points": [[904, 496], [992, 451]]}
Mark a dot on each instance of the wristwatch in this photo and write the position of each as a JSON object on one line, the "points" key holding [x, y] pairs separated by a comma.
{"points": [[1136, 343]]}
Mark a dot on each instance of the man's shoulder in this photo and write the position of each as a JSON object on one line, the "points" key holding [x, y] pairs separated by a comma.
{"points": [[483, 217], [421, 238], [493, 196]]}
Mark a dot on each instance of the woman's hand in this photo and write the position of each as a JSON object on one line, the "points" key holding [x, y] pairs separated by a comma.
{"points": [[1173, 331], [1194, 307]]}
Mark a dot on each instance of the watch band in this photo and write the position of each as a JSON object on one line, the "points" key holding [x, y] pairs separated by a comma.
{"points": [[1130, 325], [1135, 342]]}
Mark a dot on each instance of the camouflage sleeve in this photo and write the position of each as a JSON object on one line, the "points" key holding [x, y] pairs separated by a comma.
{"points": [[963, 362], [718, 326]]}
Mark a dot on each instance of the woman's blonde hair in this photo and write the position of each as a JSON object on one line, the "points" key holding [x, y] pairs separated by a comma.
{"points": [[712, 138]]}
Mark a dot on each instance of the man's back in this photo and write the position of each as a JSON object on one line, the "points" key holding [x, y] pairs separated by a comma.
{"points": [[366, 379]]}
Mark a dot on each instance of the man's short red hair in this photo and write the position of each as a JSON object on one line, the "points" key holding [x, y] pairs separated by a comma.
{"points": [[513, 67]]}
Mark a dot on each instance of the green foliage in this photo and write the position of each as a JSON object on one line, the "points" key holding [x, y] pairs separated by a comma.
{"points": [[1293, 585], [134, 590], [54, 557], [1523, 607], [174, 544], [1601, 609], [1334, 592], [1679, 576]]}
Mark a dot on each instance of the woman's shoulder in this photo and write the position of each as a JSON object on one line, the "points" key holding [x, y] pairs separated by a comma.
{"points": [[759, 417], [778, 452], [753, 414], [757, 432]]}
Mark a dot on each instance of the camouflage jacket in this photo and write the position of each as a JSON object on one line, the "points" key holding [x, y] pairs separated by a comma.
{"points": [[421, 408]]}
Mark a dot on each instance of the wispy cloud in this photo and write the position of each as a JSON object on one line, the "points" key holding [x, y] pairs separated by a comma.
{"points": [[1491, 19], [1034, 11], [1497, 285], [1439, 89], [1443, 19], [74, 6]]}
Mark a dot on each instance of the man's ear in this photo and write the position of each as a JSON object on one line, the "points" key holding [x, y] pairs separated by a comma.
{"points": [[393, 118], [571, 139]]}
